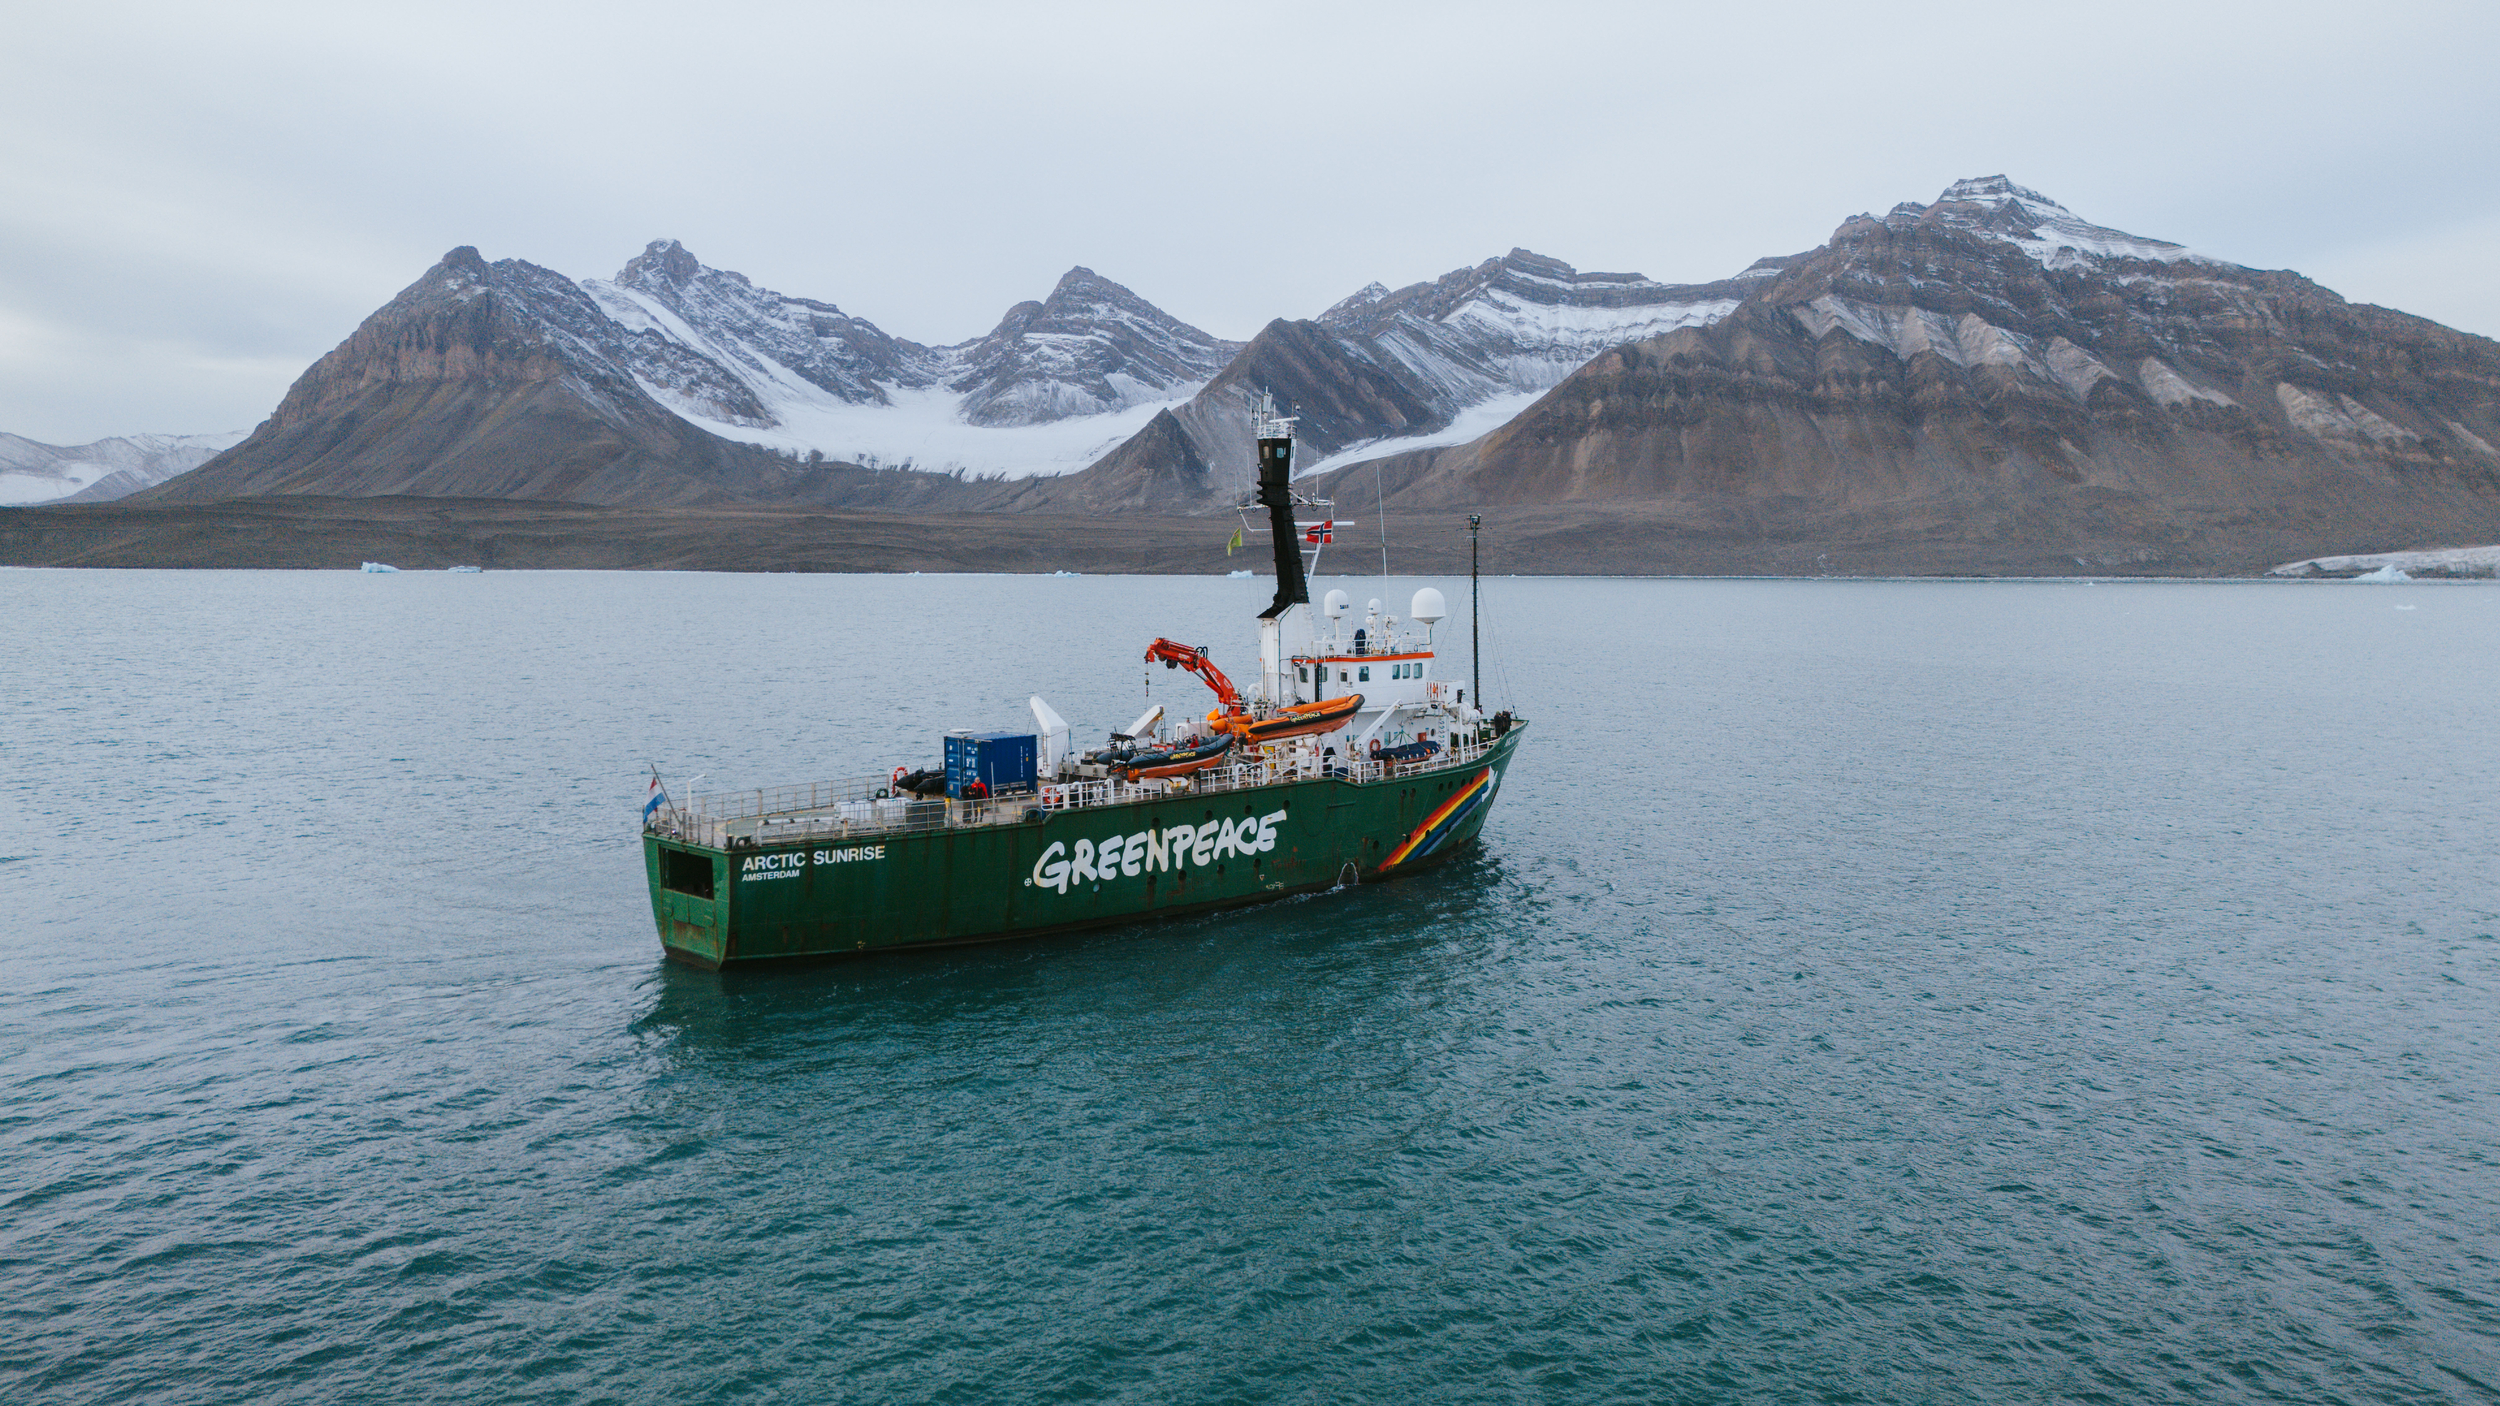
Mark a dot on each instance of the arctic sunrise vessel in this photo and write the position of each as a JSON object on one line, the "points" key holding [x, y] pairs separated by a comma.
{"points": [[1347, 761]]}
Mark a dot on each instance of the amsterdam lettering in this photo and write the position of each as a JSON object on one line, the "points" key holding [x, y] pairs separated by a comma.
{"points": [[792, 863], [1152, 851]]}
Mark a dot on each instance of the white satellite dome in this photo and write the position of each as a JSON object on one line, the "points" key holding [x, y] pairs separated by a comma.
{"points": [[1336, 603], [1428, 607], [1375, 605]]}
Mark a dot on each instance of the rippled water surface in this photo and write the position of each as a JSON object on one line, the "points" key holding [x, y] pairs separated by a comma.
{"points": [[1866, 992]]}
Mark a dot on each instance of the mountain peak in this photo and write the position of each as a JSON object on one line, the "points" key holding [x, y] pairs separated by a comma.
{"points": [[662, 261], [1997, 208], [464, 264], [1092, 346], [1999, 192], [1356, 301], [1085, 295]]}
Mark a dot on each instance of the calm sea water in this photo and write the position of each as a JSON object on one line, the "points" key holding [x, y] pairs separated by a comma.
{"points": [[1867, 992]]}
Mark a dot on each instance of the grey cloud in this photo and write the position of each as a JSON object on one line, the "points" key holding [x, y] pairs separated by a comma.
{"points": [[202, 200]]}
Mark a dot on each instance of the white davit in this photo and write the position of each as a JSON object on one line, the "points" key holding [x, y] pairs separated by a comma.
{"points": [[1145, 724], [1052, 736]]}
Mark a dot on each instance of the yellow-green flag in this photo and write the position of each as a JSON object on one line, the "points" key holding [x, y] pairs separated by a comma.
{"points": [[1230, 546]]}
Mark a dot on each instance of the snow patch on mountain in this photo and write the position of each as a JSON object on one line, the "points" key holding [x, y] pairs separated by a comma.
{"points": [[2172, 389], [2439, 561], [1474, 422], [2335, 415], [924, 429]]}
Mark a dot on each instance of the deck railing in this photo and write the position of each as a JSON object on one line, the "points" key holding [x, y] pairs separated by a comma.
{"points": [[850, 809]]}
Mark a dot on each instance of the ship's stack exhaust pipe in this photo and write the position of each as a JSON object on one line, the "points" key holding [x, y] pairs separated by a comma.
{"points": [[1276, 493]]}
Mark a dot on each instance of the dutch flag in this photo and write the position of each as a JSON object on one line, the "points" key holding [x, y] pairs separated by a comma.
{"points": [[659, 797]]}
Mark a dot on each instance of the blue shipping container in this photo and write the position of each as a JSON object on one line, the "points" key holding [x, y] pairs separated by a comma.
{"points": [[1003, 762]]}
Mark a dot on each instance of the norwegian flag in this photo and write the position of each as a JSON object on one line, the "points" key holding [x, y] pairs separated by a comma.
{"points": [[1320, 532]]}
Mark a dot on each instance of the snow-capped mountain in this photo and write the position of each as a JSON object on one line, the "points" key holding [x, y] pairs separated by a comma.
{"points": [[1490, 339], [1517, 323], [32, 472], [1093, 375], [1044, 392], [1383, 371], [1988, 381], [711, 345], [675, 382], [1090, 348]]}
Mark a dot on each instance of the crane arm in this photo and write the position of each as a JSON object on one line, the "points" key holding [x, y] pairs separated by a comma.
{"points": [[1180, 656]]}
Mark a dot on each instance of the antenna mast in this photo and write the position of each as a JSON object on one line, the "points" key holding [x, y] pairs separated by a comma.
{"points": [[1475, 634]]}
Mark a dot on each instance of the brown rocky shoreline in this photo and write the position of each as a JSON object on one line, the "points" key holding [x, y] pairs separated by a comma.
{"points": [[305, 532]]}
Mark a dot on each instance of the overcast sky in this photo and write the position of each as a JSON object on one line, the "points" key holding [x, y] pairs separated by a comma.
{"points": [[201, 199]]}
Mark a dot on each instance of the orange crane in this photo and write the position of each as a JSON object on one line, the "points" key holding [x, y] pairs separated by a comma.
{"points": [[1176, 655], [1293, 720]]}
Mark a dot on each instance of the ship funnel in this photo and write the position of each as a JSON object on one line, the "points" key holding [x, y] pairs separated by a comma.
{"points": [[1276, 495]]}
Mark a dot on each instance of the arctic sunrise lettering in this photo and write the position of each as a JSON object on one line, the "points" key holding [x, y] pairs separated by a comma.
{"points": [[786, 865], [1150, 851]]}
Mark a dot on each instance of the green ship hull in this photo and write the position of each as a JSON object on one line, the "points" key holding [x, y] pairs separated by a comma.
{"points": [[1020, 870]]}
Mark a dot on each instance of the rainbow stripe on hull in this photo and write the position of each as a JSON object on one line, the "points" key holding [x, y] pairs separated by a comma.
{"points": [[1447, 819]]}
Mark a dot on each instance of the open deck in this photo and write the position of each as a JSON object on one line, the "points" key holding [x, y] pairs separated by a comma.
{"points": [[851, 808]]}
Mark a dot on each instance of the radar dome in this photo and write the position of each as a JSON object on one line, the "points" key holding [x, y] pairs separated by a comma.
{"points": [[1336, 603], [1428, 606], [1375, 605]]}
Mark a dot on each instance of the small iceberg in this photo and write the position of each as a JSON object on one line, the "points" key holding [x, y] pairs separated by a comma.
{"points": [[1063, 573], [1236, 575], [380, 568], [2383, 575], [465, 570]]}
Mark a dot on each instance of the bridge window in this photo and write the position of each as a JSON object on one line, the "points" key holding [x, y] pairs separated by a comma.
{"points": [[1364, 674]]}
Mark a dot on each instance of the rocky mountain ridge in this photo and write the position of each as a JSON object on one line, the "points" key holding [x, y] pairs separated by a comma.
{"points": [[1090, 378], [1992, 368], [34, 472], [508, 380], [1383, 369], [1986, 378]]}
